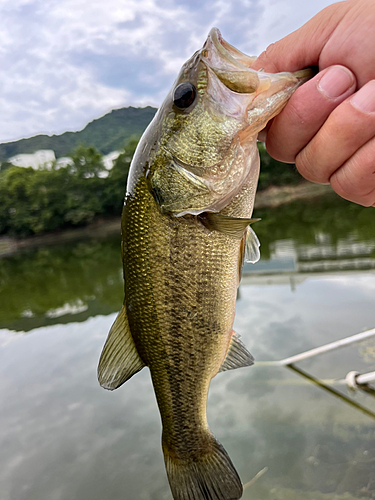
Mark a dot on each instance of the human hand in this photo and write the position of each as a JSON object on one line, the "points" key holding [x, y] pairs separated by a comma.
{"points": [[328, 126]]}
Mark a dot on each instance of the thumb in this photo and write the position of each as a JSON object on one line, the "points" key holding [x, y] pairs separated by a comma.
{"points": [[303, 47]]}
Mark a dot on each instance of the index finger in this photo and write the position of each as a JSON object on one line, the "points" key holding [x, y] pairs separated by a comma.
{"points": [[303, 47]]}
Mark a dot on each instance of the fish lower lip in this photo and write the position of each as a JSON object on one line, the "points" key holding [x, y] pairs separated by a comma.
{"points": [[232, 55]]}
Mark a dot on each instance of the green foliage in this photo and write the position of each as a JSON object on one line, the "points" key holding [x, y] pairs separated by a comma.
{"points": [[37, 201], [87, 162], [4, 166], [275, 173], [115, 188]]}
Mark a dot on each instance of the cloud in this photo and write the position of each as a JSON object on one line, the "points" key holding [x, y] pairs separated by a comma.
{"points": [[66, 62]]}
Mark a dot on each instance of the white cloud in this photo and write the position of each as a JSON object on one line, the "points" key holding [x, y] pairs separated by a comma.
{"points": [[66, 62]]}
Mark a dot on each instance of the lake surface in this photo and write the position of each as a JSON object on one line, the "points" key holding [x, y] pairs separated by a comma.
{"points": [[62, 437]]}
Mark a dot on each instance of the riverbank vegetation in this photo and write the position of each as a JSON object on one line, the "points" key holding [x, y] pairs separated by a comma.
{"points": [[45, 200]]}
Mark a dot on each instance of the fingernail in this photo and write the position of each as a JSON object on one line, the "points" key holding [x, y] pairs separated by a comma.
{"points": [[364, 99], [335, 82]]}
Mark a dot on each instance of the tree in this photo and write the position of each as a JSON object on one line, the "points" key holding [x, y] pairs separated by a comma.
{"points": [[275, 173], [115, 187], [87, 162]]}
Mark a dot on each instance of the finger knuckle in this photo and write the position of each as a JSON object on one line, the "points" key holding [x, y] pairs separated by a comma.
{"points": [[305, 163], [355, 181]]}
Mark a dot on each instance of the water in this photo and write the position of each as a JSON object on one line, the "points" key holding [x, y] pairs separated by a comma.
{"points": [[63, 437]]}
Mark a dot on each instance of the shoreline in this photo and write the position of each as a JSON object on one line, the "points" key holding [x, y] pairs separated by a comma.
{"points": [[272, 197], [275, 196]]}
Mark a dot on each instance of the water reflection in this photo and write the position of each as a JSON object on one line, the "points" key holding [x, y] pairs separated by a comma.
{"points": [[63, 437], [328, 387], [60, 284], [325, 234], [75, 281]]}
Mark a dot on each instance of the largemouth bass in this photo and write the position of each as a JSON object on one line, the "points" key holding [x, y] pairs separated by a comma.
{"points": [[185, 235]]}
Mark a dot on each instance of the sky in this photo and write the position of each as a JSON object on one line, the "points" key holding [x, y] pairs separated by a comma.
{"points": [[66, 62]]}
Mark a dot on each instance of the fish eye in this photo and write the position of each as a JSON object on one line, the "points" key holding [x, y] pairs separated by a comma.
{"points": [[184, 95]]}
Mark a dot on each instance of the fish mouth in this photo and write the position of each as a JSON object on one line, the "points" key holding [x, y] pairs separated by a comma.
{"points": [[227, 52], [233, 68]]}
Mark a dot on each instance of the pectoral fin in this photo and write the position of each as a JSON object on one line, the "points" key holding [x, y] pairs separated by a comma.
{"points": [[249, 250], [237, 355], [231, 226], [119, 359], [252, 253]]}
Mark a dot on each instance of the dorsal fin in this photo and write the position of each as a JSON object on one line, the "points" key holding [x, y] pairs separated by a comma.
{"points": [[119, 359], [237, 355]]}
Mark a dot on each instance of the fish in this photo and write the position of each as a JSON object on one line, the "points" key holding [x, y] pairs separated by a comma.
{"points": [[186, 231]]}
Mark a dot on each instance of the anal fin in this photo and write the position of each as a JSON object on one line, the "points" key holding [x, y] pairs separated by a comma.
{"points": [[237, 356], [119, 359]]}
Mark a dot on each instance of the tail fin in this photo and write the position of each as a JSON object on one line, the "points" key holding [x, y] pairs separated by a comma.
{"points": [[209, 477]]}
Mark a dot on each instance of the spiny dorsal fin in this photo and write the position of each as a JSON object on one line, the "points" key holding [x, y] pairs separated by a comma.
{"points": [[237, 355], [252, 253], [231, 226], [119, 359]]}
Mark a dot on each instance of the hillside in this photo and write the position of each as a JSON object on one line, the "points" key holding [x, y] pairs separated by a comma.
{"points": [[108, 133]]}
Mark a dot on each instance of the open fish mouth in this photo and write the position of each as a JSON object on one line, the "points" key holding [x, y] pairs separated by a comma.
{"points": [[229, 64], [233, 68]]}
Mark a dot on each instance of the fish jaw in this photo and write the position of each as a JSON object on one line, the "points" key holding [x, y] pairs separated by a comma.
{"points": [[260, 95]]}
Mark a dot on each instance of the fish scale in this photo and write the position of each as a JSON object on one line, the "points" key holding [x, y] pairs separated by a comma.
{"points": [[185, 234], [188, 272]]}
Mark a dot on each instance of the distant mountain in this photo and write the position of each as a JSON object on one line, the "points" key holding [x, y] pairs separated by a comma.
{"points": [[108, 133]]}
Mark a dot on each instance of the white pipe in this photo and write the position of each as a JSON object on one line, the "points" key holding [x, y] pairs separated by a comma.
{"points": [[365, 378], [325, 348], [354, 380]]}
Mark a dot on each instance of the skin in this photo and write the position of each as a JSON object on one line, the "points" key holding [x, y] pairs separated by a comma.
{"points": [[328, 127]]}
